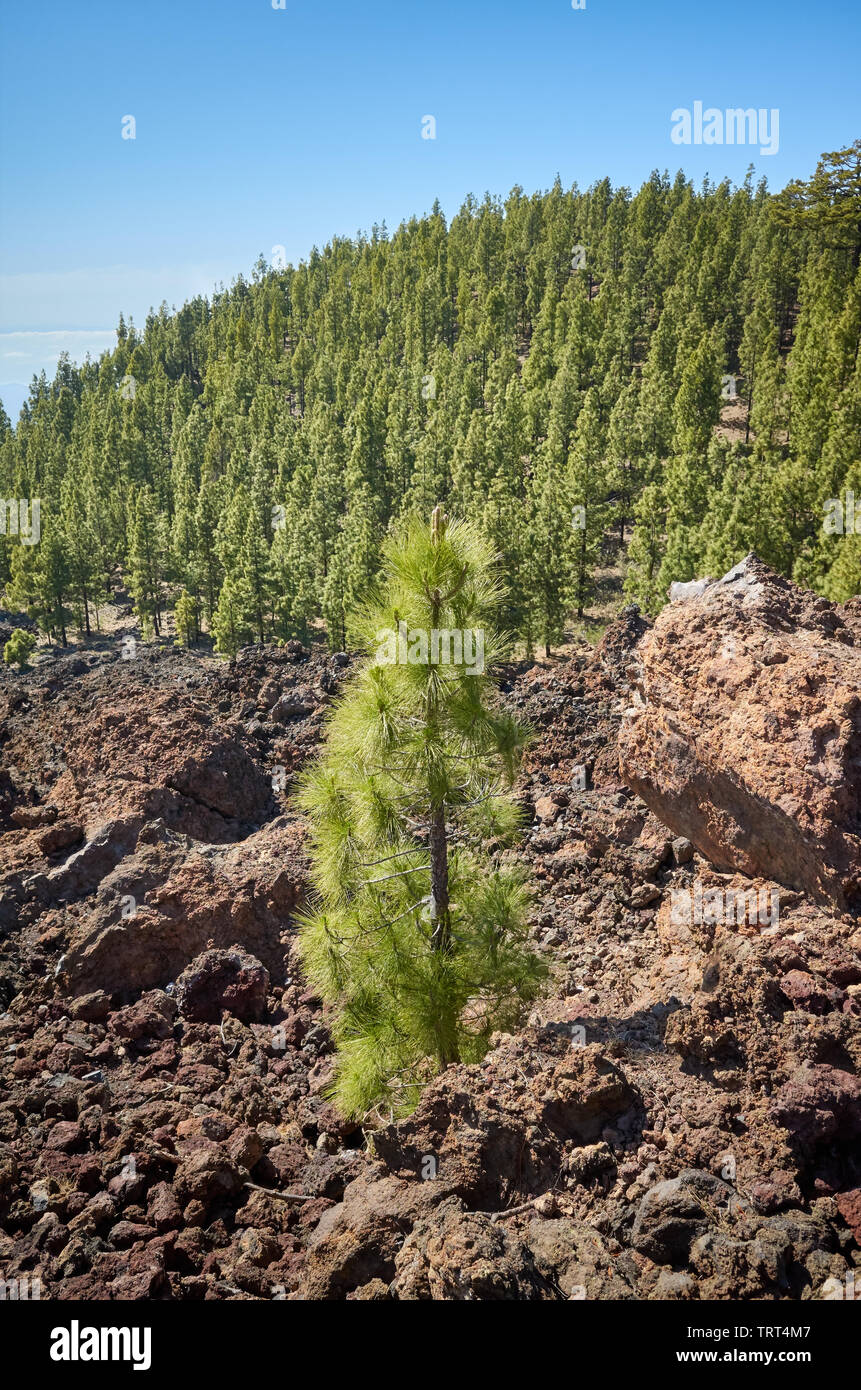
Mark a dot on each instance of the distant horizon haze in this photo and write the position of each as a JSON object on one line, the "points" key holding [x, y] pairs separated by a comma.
{"points": [[257, 128]]}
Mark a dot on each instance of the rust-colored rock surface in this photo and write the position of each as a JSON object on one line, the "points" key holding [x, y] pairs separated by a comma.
{"points": [[746, 736], [500, 1130], [676, 1118]]}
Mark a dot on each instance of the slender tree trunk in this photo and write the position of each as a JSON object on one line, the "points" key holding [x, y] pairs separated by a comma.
{"points": [[440, 918], [437, 838], [749, 399], [581, 577], [439, 911]]}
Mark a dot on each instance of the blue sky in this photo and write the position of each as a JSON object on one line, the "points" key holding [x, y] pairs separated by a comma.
{"points": [[259, 127]]}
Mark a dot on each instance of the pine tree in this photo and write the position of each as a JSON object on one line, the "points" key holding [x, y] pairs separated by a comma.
{"points": [[256, 577], [506, 524], [204, 531], [187, 619], [418, 944], [623, 455], [41, 580], [830, 202], [646, 550], [293, 579], [229, 621], [79, 543], [697, 406], [146, 550], [353, 566], [19, 648], [54, 582], [549, 558], [588, 489]]}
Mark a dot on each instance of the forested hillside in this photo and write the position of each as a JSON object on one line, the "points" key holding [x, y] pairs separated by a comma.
{"points": [[562, 368]]}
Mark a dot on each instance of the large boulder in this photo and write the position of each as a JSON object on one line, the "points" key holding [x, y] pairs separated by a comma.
{"points": [[820, 1105], [219, 982], [673, 1213], [157, 755], [168, 900], [499, 1131], [461, 1256], [747, 734], [358, 1240]]}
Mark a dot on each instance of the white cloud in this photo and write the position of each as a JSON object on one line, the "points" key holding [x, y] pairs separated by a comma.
{"points": [[33, 304], [28, 352], [37, 301], [31, 350]]}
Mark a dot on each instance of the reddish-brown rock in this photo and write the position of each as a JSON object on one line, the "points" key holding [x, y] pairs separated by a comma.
{"points": [[218, 982], [135, 1166], [498, 1131], [747, 738], [849, 1206], [819, 1105]]}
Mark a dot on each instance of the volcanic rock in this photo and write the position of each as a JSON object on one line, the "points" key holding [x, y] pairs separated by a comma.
{"points": [[219, 982], [747, 738]]}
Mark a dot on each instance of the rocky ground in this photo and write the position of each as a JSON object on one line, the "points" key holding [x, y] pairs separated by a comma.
{"points": [[679, 1117]]}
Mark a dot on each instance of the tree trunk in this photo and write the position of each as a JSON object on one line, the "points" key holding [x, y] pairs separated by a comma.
{"points": [[750, 397], [437, 838], [440, 919], [447, 1050]]}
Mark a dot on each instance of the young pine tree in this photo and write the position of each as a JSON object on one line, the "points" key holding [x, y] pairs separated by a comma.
{"points": [[548, 563], [646, 550], [186, 615], [40, 583], [146, 547], [229, 622], [19, 648], [416, 941], [588, 488]]}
